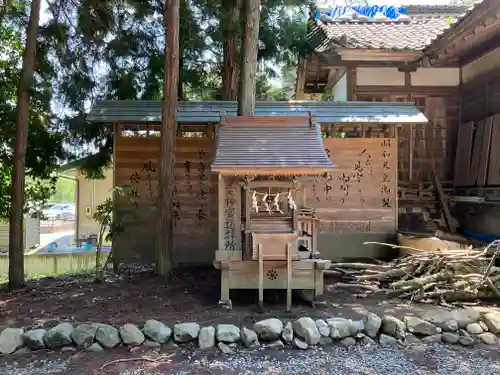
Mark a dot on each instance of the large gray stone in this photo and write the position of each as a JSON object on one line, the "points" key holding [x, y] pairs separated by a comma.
{"points": [[227, 333], [269, 329], [483, 326], [108, 336], [465, 316], [432, 339], [34, 339], [411, 339], [11, 339], [305, 328], [394, 327], [442, 319], [84, 334], [186, 332], [287, 333], [157, 331], [206, 337], [450, 337], [323, 328], [372, 323], [59, 336], [487, 338], [250, 338], [474, 328], [466, 340], [420, 327], [492, 321], [339, 328], [95, 347], [387, 341], [299, 344], [368, 341], [356, 326], [224, 348], [131, 335]]}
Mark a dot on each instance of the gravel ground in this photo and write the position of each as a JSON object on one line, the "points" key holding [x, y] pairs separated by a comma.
{"points": [[434, 359]]}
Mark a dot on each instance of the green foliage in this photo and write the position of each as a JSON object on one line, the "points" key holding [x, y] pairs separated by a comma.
{"points": [[112, 221], [44, 142], [264, 91], [64, 191], [103, 49]]}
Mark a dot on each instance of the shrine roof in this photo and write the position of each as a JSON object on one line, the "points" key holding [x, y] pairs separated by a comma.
{"points": [[209, 112], [270, 145]]}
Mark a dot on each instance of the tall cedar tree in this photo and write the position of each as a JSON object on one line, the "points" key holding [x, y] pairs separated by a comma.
{"points": [[167, 139], [250, 41], [230, 49], [16, 220]]}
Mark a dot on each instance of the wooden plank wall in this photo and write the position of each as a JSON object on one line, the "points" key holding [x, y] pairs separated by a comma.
{"points": [[423, 147], [480, 98], [479, 132], [478, 153], [360, 194], [195, 231]]}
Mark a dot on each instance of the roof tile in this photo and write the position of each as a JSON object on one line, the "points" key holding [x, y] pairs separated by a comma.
{"points": [[414, 35], [267, 146]]}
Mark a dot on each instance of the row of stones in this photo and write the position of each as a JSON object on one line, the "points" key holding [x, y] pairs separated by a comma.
{"points": [[464, 326]]}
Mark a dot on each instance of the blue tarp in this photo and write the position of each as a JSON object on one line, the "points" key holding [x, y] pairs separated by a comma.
{"points": [[390, 11], [483, 237]]}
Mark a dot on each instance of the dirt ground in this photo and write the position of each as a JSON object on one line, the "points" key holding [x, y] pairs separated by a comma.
{"points": [[191, 294]]}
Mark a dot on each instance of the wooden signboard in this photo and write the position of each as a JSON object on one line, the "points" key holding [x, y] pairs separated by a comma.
{"points": [[360, 194]]}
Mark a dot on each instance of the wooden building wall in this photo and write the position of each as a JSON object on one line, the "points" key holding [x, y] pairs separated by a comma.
{"points": [[478, 156], [195, 230], [422, 148], [358, 197], [480, 98]]}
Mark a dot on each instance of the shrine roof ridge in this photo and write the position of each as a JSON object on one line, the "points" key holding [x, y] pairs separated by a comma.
{"points": [[210, 112]]}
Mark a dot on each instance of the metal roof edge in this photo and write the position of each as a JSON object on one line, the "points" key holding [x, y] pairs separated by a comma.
{"points": [[135, 111]]}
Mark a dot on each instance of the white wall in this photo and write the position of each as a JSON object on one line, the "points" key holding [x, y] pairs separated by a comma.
{"points": [[436, 77], [484, 64], [439, 77], [379, 77], [91, 194], [340, 90]]}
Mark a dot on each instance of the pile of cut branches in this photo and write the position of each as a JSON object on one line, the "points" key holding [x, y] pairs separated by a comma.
{"points": [[446, 275]]}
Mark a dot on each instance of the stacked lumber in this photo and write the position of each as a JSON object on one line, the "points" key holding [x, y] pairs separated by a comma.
{"points": [[444, 275]]}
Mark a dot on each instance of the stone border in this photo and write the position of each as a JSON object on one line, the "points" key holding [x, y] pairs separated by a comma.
{"points": [[465, 327]]}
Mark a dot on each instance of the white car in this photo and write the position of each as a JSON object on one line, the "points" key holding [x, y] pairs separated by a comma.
{"points": [[58, 211]]}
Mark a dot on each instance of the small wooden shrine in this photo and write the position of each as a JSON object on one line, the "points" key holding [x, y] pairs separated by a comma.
{"points": [[274, 200], [268, 241]]}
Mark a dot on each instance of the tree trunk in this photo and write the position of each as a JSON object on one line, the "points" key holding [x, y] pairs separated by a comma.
{"points": [[16, 219], [167, 139], [246, 92], [230, 50]]}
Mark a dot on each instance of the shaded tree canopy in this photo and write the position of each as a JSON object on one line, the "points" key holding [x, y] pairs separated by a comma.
{"points": [[103, 49]]}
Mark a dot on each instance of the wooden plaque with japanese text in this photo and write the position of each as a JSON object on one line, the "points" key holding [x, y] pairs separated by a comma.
{"points": [[195, 197], [360, 194]]}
